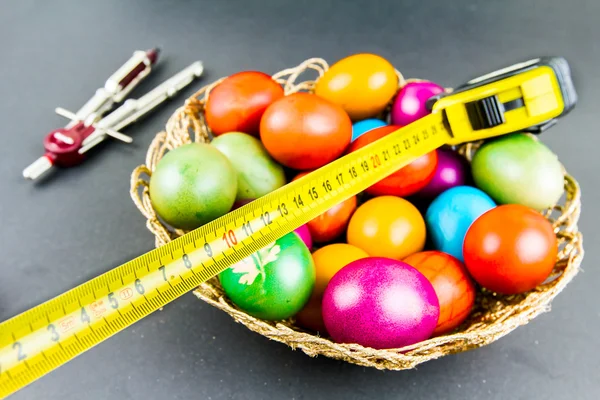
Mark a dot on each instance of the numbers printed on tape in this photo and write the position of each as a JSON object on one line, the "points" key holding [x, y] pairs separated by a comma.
{"points": [[43, 338]]}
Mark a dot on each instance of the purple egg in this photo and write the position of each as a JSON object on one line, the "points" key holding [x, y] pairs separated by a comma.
{"points": [[304, 234], [452, 170], [240, 203], [410, 103], [380, 303]]}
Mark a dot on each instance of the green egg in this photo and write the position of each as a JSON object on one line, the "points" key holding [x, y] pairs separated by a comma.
{"points": [[192, 185], [258, 173], [518, 169], [274, 283]]}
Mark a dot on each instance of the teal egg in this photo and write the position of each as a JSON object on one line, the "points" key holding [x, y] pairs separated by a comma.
{"points": [[361, 127], [274, 283], [257, 172], [518, 169], [192, 185], [450, 215]]}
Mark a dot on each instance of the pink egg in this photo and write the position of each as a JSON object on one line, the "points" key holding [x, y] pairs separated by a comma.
{"points": [[304, 234], [380, 303], [452, 170], [410, 103]]}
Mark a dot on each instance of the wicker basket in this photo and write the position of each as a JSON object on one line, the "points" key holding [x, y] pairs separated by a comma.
{"points": [[493, 316]]}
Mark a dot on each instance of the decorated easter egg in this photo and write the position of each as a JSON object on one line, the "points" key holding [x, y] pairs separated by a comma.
{"points": [[450, 215], [257, 173], [275, 282], [363, 84], [518, 169], [453, 286], [380, 303], [451, 170], [387, 226], [328, 261], [303, 131], [304, 234], [332, 223], [192, 185], [411, 102], [361, 127], [510, 249], [239, 101], [408, 179]]}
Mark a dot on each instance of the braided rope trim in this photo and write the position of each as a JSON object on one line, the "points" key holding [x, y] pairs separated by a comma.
{"points": [[493, 316]]}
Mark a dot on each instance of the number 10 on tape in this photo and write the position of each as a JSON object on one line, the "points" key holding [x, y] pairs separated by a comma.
{"points": [[49, 335]]}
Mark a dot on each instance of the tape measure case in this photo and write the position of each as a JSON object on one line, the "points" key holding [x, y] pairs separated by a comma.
{"points": [[493, 317]]}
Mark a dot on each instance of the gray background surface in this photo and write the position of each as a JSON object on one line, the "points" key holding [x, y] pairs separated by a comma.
{"points": [[56, 235]]}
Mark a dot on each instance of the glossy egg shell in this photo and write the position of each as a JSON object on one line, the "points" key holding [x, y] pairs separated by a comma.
{"points": [[257, 173], [328, 261], [192, 185], [510, 249], [408, 179], [362, 84], [304, 234], [331, 224], [451, 170], [239, 101], [361, 127], [453, 286], [518, 169], [380, 303], [303, 131], [411, 102], [273, 283], [387, 226], [450, 215]]}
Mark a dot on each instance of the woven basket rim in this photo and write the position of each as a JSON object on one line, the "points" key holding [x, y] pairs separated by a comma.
{"points": [[187, 124]]}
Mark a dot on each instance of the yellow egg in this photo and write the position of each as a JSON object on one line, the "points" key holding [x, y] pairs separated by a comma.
{"points": [[362, 84]]}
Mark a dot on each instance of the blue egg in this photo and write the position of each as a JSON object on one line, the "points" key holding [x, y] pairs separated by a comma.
{"points": [[361, 127], [451, 214]]}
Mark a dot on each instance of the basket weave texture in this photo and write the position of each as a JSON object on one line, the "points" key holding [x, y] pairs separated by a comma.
{"points": [[493, 316]]}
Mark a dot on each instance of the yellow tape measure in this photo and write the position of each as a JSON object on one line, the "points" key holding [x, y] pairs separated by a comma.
{"points": [[49, 335]]}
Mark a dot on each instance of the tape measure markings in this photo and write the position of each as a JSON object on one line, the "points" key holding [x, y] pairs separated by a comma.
{"points": [[40, 339]]}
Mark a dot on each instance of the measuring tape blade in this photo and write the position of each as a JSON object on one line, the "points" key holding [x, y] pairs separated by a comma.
{"points": [[49, 335], [525, 96]]}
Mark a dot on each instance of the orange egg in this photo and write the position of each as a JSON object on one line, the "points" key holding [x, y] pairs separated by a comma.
{"points": [[387, 226], [453, 286], [362, 84], [303, 131], [328, 261]]}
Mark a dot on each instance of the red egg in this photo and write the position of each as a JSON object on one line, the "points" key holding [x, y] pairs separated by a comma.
{"points": [[332, 223], [454, 288], [510, 249], [408, 179], [239, 101], [303, 131]]}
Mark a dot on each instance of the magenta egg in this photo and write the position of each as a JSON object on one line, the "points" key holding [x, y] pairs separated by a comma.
{"points": [[410, 103], [380, 303], [304, 234], [452, 170]]}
